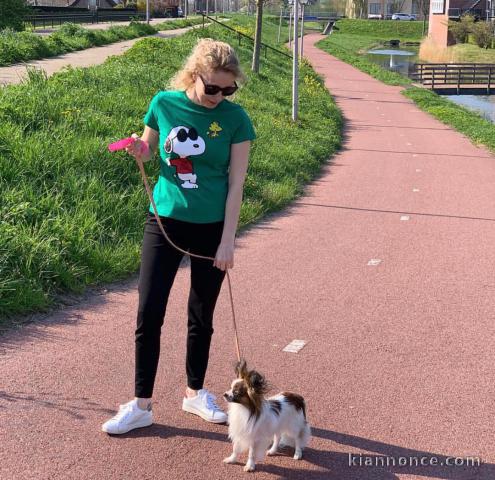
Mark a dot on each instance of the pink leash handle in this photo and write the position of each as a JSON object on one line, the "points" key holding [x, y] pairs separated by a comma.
{"points": [[125, 142]]}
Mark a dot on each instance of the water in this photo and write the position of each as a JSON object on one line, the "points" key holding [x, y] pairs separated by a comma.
{"points": [[482, 104], [397, 60]]}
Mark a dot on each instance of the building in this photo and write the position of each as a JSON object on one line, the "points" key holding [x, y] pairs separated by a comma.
{"points": [[477, 8], [386, 8]]}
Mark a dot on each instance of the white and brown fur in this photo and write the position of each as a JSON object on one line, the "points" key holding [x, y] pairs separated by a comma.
{"points": [[255, 422]]}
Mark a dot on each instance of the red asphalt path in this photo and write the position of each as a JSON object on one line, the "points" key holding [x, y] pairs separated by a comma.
{"points": [[399, 356]]}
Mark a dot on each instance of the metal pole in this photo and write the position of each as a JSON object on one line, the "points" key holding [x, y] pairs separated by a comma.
{"points": [[302, 31], [147, 11], [207, 7], [295, 64], [280, 24], [290, 27]]}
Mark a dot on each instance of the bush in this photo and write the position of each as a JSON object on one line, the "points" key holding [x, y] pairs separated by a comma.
{"points": [[462, 29], [12, 13], [483, 33]]}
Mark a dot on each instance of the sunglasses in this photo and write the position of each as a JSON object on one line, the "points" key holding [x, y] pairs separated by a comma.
{"points": [[183, 135], [214, 89]]}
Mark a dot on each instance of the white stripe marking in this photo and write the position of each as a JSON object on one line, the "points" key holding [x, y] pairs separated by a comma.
{"points": [[404, 218], [418, 170], [294, 346], [415, 189], [374, 261]]}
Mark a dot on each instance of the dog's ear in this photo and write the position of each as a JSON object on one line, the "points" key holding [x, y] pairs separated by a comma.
{"points": [[257, 382], [241, 369]]}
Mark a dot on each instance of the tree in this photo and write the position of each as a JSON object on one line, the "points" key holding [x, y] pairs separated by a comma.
{"points": [[360, 7], [424, 9], [12, 14], [397, 5], [255, 67]]}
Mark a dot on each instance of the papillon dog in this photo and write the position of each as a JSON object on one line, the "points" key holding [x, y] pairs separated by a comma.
{"points": [[255, 422]]}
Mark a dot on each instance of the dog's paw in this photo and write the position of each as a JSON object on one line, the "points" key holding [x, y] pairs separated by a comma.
{"points": [[249, 467], [272, 452], [229, 460], [298, 454]]}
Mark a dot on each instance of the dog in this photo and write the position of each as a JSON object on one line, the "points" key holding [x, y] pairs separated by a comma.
{"points": [[255, 422]]}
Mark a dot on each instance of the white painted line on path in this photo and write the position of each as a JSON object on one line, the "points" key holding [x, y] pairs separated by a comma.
{"points": [[374, 261], [294, 346]]}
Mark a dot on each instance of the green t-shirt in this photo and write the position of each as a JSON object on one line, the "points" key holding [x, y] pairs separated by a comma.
{"points": [[194, 149]]}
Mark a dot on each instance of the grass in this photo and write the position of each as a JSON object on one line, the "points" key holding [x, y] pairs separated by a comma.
{"points": [[381, 28], [465, 52], [18, 47], [72, 214], [475, 127]]}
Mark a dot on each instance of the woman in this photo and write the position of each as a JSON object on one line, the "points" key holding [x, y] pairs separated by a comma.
{"points": [[204, 141]]}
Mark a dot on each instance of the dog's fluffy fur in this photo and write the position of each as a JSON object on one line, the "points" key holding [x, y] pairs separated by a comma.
{"points": [[255, 422]]}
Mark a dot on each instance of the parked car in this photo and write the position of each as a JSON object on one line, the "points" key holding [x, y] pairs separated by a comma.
{"points": [[403, 16], [375, 16]]}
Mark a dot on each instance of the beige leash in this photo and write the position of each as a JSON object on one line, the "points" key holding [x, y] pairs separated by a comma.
{"points": [[150, 195]]}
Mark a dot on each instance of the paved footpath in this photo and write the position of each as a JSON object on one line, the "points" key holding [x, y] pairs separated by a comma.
{"points": [[399, 355], [82, 58]]}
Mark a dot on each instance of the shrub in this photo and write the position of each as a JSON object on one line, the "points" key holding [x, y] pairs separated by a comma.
{"points": [[462, 29], [483, 33], [12, 13]]}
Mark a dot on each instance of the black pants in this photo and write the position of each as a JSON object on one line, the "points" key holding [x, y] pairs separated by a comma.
{"points": [[159, 265]]}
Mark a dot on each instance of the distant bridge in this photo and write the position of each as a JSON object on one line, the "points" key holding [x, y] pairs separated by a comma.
{"points": [[445, 78]]}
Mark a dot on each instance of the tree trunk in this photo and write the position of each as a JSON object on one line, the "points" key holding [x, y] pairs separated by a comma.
{"points": [[257, 37]]}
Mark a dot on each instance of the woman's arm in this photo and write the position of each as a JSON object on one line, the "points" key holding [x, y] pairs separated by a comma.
{"points": [[239, 157]]}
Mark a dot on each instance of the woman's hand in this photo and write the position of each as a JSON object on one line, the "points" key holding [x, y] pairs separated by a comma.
{"points": [[138, 148], [224, 257]]}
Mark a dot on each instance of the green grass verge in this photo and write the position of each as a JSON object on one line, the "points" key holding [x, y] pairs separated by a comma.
{"points": [[72, 214], [381, 28], [18, 47], [475, 127]]}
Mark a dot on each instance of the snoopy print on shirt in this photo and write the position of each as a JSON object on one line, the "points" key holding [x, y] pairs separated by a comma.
{"points": [[184, 142]]}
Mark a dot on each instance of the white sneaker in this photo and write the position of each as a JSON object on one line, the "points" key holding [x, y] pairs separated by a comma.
{"points": [[203, 404], [130, 416]]}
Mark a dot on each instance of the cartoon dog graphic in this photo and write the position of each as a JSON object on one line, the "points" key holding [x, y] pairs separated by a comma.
{"points": [[184, 142]]}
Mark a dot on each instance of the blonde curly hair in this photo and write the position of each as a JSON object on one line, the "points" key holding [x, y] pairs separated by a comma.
{"points": [[207, 56]]}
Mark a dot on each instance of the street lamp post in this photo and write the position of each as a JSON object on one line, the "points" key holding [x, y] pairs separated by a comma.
{"points": [[303, 3], [290, 2], [295, 64], [147, 11]]}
